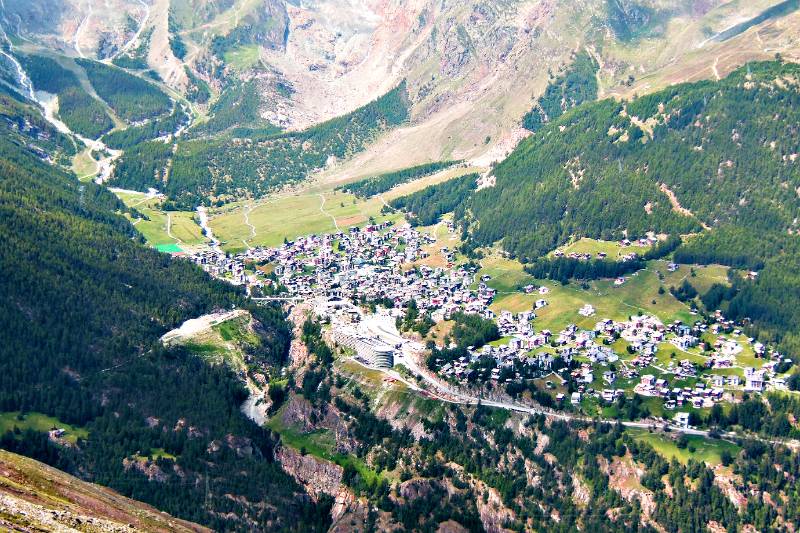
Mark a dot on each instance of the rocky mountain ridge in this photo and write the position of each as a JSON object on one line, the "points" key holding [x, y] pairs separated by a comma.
{"points": [[472, 67]]}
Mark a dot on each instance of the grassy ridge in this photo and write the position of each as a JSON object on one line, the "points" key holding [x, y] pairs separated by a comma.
{"points": [[383, 182]]}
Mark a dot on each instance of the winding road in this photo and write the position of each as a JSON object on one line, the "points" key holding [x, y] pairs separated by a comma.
{"points": [[81, 26], [136, 35], [247, 212], [411, 350], [322, 210]]}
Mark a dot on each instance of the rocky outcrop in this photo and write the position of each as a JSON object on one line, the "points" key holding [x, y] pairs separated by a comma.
{"points": [[316, 475], [413, 489], [298, 352], [351, 514], [581, 494], [192, 431], [624, 476], [300, 414], [494, 514], [242, 446], [146, 467], [728, 483], [492, 511], [451, 526], [267, 25]]}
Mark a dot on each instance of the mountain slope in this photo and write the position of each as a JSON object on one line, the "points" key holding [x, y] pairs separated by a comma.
{"points": [[252, 161], [473, 69], [83, 306], [712, 158], [697, 145], [36, 496]]}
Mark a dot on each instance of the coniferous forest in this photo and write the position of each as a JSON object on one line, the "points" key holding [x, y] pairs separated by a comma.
{"points": [[80, 112], [594, 172], [83, 304], [708, 171], [260, 158]]}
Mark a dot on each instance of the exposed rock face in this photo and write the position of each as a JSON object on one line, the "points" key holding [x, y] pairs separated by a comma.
{"points": [[323, 477], [624, 476], [316, 475], [267, 25], [241, 445], [493, 513], [472, 66], [96, 31], [298, 352], [299, 413], [415, 488], [402, 416], [728, 483], [581, 494], [451, 526], [350, 515], [149, 469]]}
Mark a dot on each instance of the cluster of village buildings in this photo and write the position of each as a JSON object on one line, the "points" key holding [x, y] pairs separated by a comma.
{"points": [[697, 375], [381, 264], [644, 242]]}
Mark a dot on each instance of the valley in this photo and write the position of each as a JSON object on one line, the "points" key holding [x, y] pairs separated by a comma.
{"points": [[399, 266]]}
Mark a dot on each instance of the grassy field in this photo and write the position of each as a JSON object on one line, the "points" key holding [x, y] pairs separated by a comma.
{"points": [[699, 276], [155, 454], [163, 227], [84, 166], [507, 274], [612, 249], [310, 212], [705, 449], [444, 239], [440, 331], [293, 216], [243, 57], [638, 294], [40, 422]]}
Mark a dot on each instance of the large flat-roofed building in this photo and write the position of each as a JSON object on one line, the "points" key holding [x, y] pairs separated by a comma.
{"points": [[373, 351]]}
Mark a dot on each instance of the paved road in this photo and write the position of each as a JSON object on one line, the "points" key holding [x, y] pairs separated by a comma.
{"points": [[383, 327]]}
